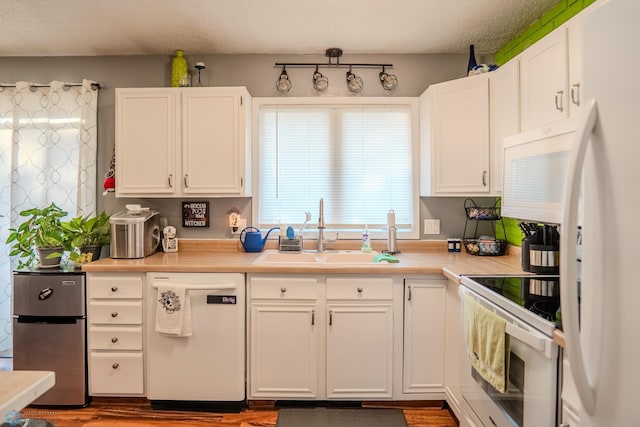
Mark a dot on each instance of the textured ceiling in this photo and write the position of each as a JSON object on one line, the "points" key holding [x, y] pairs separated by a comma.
{"points": [[158, 27]]}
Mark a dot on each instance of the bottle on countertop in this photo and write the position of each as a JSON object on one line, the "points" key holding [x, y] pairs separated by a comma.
{"points": [[366, 243]]}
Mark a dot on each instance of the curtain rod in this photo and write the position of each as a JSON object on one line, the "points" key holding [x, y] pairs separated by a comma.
{"points": [[94, 86]]}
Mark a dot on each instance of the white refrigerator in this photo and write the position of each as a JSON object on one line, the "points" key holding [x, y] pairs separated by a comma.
{"points": [[603, 343]]}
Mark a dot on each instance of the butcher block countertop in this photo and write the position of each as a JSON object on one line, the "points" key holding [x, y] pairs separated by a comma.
{"points": [[416, 258]]}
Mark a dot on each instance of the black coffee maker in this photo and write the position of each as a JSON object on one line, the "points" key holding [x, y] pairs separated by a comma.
{"points": [[540, 248]]}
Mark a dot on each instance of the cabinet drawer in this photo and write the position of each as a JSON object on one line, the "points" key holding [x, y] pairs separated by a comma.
{"points": [[376, 288], [115, 338], [115, 312], [114, 287], [116, 373], [284, 288]]}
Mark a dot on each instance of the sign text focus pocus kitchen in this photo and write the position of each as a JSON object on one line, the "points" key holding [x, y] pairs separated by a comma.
{"points": [[195, 214]]}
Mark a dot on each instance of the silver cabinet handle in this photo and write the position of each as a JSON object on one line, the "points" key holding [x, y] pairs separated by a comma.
{"points": [[575, 93], [313, 317], [170, 180], [114, 289], [330, 317], [114, 340], [559, 95], [409, 296], [186, 180], [115, 366], [114, 314], [484, 178]]}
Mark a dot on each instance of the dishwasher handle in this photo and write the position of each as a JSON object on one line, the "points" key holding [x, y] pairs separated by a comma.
{"points": [[203, 287]]}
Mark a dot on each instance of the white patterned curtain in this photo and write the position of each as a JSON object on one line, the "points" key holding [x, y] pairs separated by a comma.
{"points": [[48, 146]]}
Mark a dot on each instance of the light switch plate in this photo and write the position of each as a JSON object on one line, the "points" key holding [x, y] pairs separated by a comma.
{"points": [[431, 226]]}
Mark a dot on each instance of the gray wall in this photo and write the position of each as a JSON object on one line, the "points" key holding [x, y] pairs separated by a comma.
{"points": [[256, 72]]}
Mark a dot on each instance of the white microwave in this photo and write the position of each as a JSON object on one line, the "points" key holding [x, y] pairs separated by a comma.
{"points": [[535, 170]]}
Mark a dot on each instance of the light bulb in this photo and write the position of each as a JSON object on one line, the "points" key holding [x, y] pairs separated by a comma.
{"points": [[388, 81], [354, 83], [283, 84]]}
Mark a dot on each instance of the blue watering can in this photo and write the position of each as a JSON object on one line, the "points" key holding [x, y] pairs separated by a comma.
{"points": [[252, 241]]}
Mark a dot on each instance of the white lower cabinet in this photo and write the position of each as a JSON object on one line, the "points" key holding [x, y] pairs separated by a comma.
{"points": [[424, 335], [283, 343], [320, 337], [359, 338], [114, 337]]}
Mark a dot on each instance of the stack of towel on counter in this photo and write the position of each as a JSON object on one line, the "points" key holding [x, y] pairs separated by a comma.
{"points": [[487, 343]]}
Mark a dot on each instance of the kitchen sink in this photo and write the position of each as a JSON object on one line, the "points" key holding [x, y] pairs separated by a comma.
{"points": [[276, 257], [273, 256], [348, 257]]}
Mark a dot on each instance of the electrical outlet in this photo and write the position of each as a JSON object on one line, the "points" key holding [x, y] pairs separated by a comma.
{"points": [[242, 224], [431, 226]]}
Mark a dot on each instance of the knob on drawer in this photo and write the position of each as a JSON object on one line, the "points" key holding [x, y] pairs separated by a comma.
{"points": [[359, 290], [114, 289], [115, 365], [114, 314], [114, 340], [283, 289]]}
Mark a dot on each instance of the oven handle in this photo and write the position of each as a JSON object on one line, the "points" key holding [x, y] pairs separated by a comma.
{"points": [[568, 259], [526, 337], [532, 338]]}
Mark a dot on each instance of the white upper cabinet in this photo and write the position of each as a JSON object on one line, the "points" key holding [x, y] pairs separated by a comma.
{"points": [[454, 137], [544, 71], [172, 142], [504, 94]]}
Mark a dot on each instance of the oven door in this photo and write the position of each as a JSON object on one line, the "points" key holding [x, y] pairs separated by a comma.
{"points": [[531, 397]]}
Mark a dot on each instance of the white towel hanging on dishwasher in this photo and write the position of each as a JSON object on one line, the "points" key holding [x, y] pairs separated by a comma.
{"points": [[173, 311]]}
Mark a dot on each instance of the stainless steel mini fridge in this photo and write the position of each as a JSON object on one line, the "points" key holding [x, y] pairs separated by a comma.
{"points": [[49, 332]]}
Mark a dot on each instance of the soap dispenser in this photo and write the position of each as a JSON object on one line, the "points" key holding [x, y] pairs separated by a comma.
{"points": [[366, 243]]}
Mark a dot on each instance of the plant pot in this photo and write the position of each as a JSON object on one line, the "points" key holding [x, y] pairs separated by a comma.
{"points": [[94, 250], [43, 253]]}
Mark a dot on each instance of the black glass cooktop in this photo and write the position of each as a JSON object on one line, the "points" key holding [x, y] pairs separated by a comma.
{"points": [[538, 294]]}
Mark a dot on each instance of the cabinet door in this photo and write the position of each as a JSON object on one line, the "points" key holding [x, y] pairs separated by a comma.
{"points": [[505, 115], [424, 317], [454, 121], [359, 351], [283, 351], [544, 68], [145, 142], [213, 142]]}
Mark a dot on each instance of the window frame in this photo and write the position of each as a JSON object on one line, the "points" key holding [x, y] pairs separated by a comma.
{"points": [[412, 103]]}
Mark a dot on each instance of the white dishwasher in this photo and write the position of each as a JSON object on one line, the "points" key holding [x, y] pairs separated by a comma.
{"points": [[206, 370]]}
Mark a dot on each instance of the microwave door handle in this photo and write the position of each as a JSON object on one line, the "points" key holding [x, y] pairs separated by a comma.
{"points": [[568, 260]]}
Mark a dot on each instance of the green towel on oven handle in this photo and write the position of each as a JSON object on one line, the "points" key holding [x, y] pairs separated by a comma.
{"points": [[487, 343]]}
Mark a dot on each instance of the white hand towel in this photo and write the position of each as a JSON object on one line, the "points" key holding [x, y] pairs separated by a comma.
{"points": [[173, 311]]}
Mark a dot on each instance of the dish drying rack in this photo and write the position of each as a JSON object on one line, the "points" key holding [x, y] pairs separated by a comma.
{"points": [[473, 245], [294, 244]]}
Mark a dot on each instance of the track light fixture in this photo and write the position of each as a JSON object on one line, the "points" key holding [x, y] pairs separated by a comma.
{"points": [[320, 82], [354, 83], [388, 81], [283, 84]]}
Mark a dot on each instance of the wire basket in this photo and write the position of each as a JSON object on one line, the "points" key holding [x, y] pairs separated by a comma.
{"points": [[481, 212], [483, 247]]}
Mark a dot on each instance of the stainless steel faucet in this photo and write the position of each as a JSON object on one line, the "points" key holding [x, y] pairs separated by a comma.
{"points": [[321, 227]]}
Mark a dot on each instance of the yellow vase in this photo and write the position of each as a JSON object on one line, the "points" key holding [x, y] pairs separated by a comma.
{"points": [[179, 70]]}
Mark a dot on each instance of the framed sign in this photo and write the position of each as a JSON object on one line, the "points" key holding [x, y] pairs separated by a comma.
{"points": [[195, 214]]}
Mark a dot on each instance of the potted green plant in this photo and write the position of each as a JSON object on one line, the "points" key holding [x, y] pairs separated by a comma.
{"points": [[86, 236], [40, 238]]}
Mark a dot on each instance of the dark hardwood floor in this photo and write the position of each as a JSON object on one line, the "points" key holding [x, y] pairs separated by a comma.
{"points": [[136, 412]]}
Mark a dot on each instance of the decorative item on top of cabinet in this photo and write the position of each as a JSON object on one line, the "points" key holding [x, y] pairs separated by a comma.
{"points": [[454, 138], [179, 70], [198, 139]]}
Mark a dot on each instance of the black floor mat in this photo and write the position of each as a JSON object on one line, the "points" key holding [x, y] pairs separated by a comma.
{"points": [[340, 417]]}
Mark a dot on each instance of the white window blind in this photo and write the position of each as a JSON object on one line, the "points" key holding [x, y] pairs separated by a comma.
{"points": [[358, 158]]}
